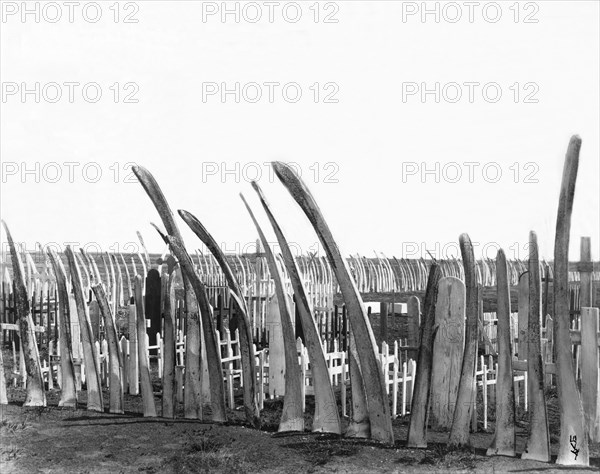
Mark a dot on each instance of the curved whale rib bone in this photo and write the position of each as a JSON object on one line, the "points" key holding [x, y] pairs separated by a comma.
{"points": [[326, 412], [245, 330], [35, 382], [370, 368], [292, 418]]}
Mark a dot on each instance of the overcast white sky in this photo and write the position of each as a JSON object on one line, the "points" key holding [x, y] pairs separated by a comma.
{"points": [[361, 156]]}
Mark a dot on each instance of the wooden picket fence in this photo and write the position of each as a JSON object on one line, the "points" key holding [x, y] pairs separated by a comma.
{"points": [[43, 305], [399, 370]]}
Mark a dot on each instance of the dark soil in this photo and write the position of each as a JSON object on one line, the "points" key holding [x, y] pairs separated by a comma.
{"points": [[60, 440]]}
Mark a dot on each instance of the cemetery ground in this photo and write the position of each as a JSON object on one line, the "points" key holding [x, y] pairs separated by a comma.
{"points": [[54, 439]]}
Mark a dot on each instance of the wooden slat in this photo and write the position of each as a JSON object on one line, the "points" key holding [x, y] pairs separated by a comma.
{"points": [[15, 327]]}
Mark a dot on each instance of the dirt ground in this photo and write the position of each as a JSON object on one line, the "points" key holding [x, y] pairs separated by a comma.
{"points": [[53, 439]]}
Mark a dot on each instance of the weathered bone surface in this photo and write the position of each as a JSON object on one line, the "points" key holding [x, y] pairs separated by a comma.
{"points": [[504, 440], [292, 418], [168, 380], [193, 382], [127, 278], [192, 395], [459, 432], [149, 406], [245, 330], [573, 445], [119, 290], [213, 354], [68, 395], [372, 373], [448, 348], [326, 417], [92, 371], [34, 383], [112, 287], [538, 441], [146, 254], [359, 426], [92, 267], [106, 271], [114, 351], [417, 429], [523, 315]]}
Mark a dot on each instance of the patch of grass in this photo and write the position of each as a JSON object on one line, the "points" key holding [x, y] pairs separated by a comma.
{"points": [[321, 452], [205, 454], [440, 455], [222, 461], [12, 426], [9, 453], [204, 445], [35, 413]]}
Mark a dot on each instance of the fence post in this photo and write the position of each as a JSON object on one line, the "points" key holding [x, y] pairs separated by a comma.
{"points": [[413, 310], [229, 367], [124, 345], [589, 371], [152, 306], [383, 314], [219, 314], [589, 343], [395, 382], [134, 374]]}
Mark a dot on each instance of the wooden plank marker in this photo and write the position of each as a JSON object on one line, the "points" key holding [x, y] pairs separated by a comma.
{"points": [[589, 345], [383, 314], [590, 387], [152, 304], [448, 348], [413, 309]]}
